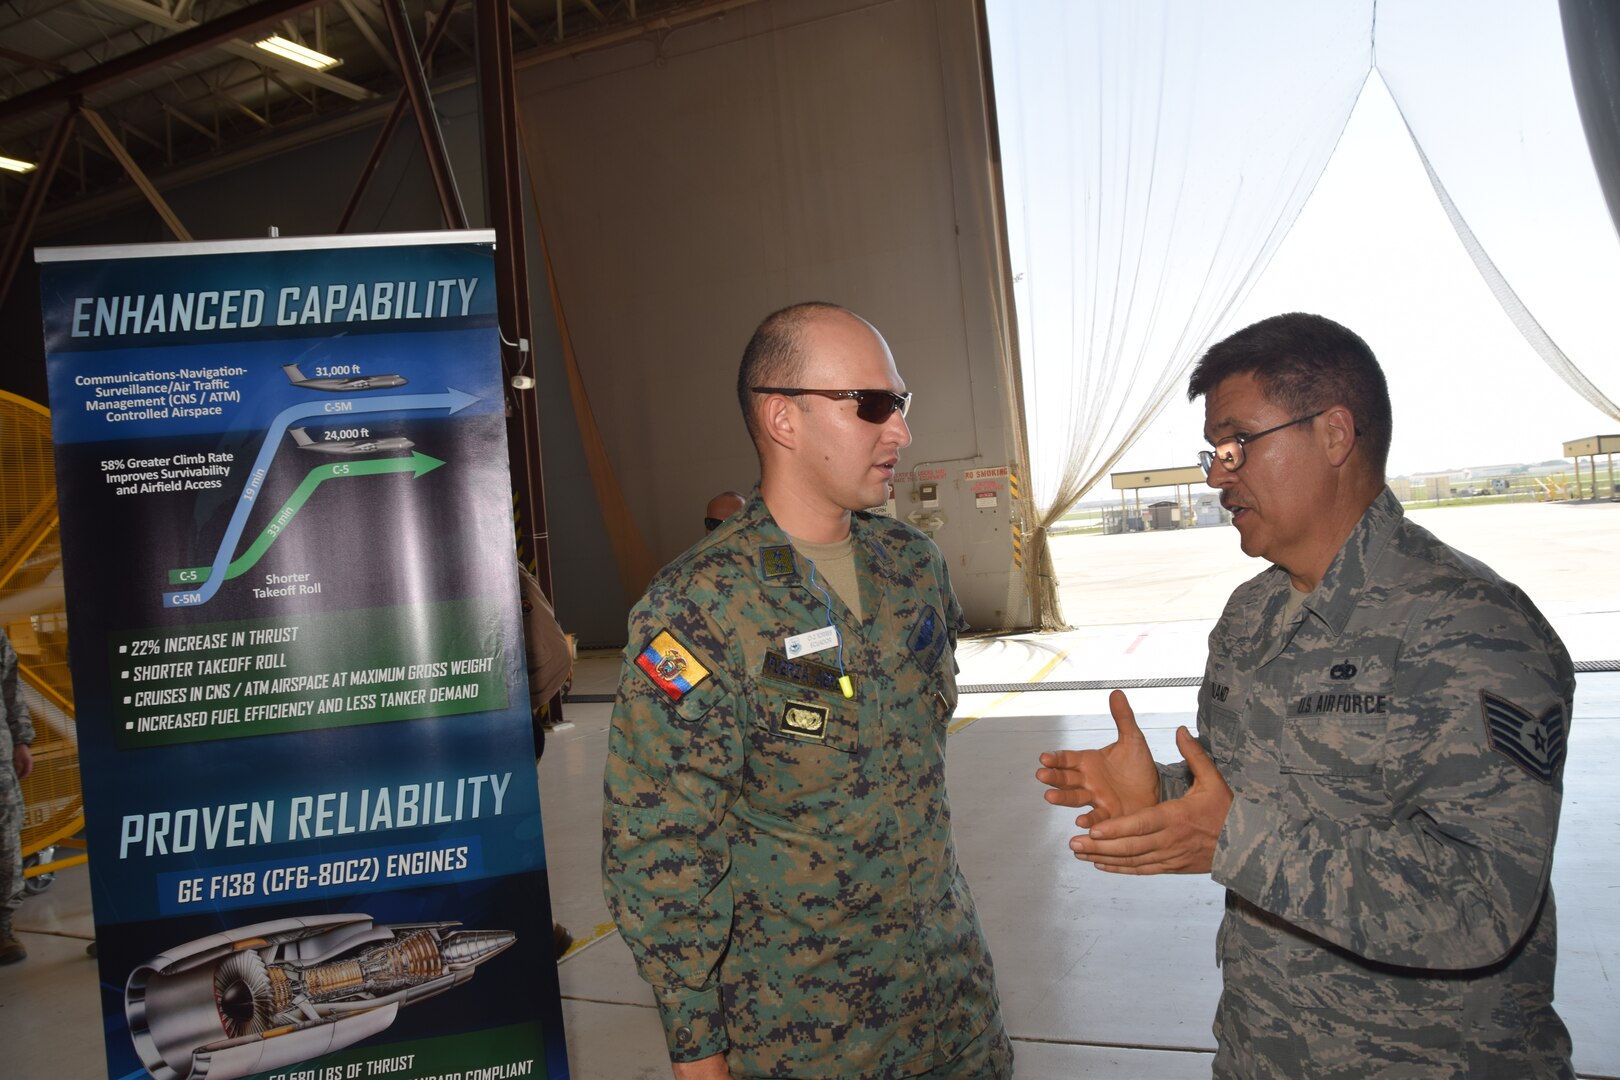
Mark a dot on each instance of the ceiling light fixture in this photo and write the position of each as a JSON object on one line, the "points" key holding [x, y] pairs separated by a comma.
{"points": [[277, 45], [13, 165]]}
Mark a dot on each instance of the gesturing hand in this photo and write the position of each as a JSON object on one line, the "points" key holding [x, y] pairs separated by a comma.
{"points": [[1117, 780], [1174, 837]]}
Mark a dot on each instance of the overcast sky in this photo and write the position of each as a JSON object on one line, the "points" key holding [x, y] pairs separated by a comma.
{"points": [[1373, 249]]}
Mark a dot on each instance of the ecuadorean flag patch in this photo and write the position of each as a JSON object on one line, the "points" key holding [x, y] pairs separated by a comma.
{"points": [[671, 665]]}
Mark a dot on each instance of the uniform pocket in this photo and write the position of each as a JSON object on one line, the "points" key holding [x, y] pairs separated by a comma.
{"points": [[1340, 732], [804, 754]]}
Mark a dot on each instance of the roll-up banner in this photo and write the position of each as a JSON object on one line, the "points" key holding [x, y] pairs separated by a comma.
{"points": [[312, 813]]}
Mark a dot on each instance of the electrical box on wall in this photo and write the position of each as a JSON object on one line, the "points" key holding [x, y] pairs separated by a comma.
{"points": [[971, 514]]}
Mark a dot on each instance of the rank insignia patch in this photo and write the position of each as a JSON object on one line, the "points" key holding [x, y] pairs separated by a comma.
{"points": [[1534, 743], [671, 666], [777, 561], [800, 720], [927, 638]]}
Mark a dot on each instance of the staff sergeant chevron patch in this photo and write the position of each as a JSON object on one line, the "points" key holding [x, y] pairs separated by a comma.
{"points": [[1536, 744]]}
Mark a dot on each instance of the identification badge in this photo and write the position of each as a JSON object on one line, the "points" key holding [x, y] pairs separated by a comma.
{"points": [[812, 642]]}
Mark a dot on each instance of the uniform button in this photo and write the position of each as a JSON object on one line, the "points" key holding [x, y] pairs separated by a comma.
{"points": [[683, 1035]]}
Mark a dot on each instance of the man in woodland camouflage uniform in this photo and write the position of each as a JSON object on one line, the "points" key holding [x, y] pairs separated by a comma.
{"points": [[1379, 765], [778, 849], [16, 761]]}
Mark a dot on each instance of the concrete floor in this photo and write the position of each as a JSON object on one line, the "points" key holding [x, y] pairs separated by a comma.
{"points": [[1101, 976]]}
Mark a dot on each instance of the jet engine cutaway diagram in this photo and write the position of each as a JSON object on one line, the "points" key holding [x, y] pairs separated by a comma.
{"points": [[274, 993]]}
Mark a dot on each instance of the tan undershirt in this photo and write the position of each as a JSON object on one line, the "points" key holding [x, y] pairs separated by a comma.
{"points": [[835, 570]]}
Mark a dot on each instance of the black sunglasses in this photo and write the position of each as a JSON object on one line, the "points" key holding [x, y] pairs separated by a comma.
{"points": [[873, 406]]}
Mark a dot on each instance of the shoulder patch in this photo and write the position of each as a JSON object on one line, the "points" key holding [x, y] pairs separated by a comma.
{"points": [[671, 665], [1537, 744], [927, 638], [777, 561]]}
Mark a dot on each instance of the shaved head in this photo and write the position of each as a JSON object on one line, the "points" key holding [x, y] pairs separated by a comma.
{"points": [[776, 354]]}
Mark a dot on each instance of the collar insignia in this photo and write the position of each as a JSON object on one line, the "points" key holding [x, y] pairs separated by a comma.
{"points": [[777, 561]]}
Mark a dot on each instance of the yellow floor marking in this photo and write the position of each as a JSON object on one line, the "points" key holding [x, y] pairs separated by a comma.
{"points": [[600, 931], [963, 721]]}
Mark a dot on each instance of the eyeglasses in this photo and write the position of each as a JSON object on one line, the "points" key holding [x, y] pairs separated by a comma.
{"points": [[1229, 451], [873, 406]]}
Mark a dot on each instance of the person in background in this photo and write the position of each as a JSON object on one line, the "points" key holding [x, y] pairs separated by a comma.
{"points": [[550, 655], [777, 840], [551, 669], [16, 762], [721, 507], [1379, 765]]}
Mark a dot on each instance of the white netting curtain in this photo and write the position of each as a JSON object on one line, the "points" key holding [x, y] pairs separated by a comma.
{"points": [[1494, 118], [1154, 155]]}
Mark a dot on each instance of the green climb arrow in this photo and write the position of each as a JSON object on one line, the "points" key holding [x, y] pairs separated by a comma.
{"points": [[418, 464]]}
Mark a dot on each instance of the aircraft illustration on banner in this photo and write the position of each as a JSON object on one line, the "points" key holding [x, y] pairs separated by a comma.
{"points": [[342, 385], [348, 446], [202, 582]]}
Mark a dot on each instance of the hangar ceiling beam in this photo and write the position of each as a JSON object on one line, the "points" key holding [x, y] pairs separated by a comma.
{"points": [[207, 133], [427, 121], [34, 61], [241, 49], [497, 88], [34, 198], [201, 38], [369, 169], [116, 148], [363, 24]]}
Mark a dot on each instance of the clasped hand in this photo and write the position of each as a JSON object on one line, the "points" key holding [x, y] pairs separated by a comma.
{"points": [[1129, 829]]}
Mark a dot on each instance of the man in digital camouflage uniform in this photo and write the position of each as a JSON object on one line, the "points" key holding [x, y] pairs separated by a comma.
{"points": [[16, 761], [1379, 765], [778, 850]]}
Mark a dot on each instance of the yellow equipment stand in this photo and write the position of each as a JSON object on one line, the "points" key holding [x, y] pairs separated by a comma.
{"points": [[33, 612]]}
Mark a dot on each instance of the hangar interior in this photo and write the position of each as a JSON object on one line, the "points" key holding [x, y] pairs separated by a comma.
{"points": [[670, 170], [684, 169]]}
